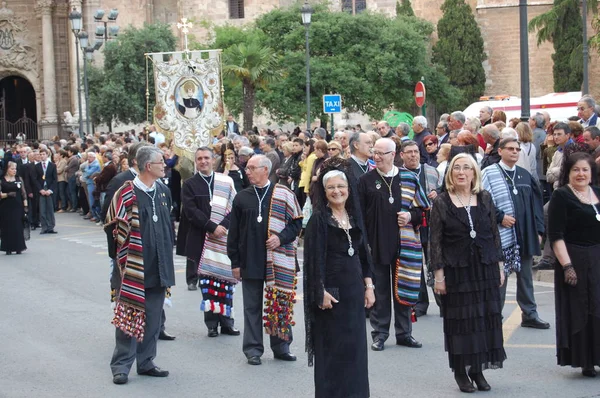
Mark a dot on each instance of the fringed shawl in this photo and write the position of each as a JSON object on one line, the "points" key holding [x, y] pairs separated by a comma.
{"points": [[214, 268], [280, 293], [494, 181], [130, 308], [407, 273]]}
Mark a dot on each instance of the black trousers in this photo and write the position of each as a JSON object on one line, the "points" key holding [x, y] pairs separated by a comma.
{"points": [[191, 271], [252, 346], [381, 313]]}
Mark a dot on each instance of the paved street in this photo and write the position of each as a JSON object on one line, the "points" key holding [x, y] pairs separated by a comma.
{"points": [[58, 340]]}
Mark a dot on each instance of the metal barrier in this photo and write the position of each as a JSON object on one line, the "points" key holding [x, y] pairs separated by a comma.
{"points": [[9, 131]]}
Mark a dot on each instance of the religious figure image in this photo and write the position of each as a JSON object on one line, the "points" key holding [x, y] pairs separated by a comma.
{"points": [[189, 99]]}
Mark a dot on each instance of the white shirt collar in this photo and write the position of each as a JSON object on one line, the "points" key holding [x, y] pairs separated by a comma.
{"points": [[360, 162], [505, 166], [391, 173], [138, 183]]}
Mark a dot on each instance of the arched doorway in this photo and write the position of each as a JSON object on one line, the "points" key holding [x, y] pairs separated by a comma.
{"points": [[18, 111]]}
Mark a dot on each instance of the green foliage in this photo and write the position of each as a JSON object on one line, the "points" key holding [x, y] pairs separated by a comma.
{"points": [[460, 49], [371, 60], [403, 7], [118, 91], [562, 25]]}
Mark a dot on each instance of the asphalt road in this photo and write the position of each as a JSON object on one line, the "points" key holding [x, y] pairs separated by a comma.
{"points": [[57, 339]]}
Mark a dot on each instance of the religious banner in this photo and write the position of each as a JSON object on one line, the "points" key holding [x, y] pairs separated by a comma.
{"points": [[189, 107]]}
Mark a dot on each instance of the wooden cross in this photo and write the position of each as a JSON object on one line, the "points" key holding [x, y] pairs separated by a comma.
{"points": [[183, 26]]}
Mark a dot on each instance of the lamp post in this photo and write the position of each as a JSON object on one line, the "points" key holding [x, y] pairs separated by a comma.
{"points": [[83, 40], [75, 18], [306, 17], [586, 86], [103, 31], [525, 96]]}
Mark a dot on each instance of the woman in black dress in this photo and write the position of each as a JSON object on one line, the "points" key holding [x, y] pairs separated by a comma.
{"points": [[337, 289], [574, 230], [13, 206], [465, 256]]}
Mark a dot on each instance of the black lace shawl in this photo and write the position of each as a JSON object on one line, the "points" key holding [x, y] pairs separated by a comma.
{"points": [[315, 244]]}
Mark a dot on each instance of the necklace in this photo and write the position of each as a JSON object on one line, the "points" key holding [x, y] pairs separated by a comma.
{"points": [[512, 179], [391, 199], [260, 200], [418, 175], [154, 216], [587, 201], [208, 183], [345, 226], [473, 234]]}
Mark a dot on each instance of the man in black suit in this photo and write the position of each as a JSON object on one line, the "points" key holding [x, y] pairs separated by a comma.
{"points": [[115, 183], [360, 145], [231, 127], [33, 193], [46, 185]]}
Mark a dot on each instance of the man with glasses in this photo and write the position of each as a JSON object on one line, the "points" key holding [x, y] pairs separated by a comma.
{"points": [[586, 110], [361, 147], [342, 138], [264, 226], [392, 204], [140, 216], [519, 213]]}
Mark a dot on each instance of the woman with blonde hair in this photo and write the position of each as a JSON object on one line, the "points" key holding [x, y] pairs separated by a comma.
{"points": [[466, 260], [442, 158]]}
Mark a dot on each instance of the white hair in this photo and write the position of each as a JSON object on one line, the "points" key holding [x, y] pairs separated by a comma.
{"points": [[509, 132], [332, 174], [421, 120]]}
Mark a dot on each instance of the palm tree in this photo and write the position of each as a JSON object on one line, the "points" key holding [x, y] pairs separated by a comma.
{"points": [[255, 66]]}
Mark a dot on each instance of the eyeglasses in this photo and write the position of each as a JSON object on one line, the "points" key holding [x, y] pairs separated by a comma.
{"points": [[332, 149], [332, 188], [252, 168], [465, 168], [381, 154], [430, 144], [512, 148], [161, 162], [581, 108]]}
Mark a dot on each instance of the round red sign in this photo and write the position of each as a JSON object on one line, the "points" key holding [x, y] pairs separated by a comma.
{"points": [[420, 94]]}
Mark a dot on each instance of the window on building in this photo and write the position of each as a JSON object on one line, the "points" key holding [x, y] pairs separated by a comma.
{"points": [[236, 9], [354, 6]]}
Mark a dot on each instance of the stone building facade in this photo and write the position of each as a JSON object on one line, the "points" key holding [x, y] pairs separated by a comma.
{"points": [[38, 61]]}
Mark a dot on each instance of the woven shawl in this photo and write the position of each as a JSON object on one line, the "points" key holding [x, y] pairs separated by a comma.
{"points": [[130, 308], [214, 268], [407, 275], [280, 293], [494, 181]]}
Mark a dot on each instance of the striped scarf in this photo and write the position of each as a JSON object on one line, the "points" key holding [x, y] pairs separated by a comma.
{"points": [[130, 308], [409, 262], [494, 181], [280, 287], [216, 279]]}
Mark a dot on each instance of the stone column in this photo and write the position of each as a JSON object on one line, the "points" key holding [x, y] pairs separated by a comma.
{"points": [[44, 8]]}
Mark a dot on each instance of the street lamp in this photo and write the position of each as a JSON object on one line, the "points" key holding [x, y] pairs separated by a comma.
{"points": [[103, 31], [586, 86], [83, 40], [75, 18], [307, 12]]}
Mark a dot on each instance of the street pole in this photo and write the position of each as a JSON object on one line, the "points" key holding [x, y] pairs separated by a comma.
{"points": [[87, 94], [307, 80], [79, 87], [332, 127], [586, 86], [525, 96]]}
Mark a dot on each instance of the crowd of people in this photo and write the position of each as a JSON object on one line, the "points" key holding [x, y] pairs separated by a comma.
{"points": [[383, 215]]}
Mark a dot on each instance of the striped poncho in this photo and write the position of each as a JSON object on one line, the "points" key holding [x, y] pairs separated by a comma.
{"points": [[407, 273]]}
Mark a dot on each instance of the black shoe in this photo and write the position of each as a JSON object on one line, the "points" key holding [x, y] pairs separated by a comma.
{"points": [[285, 357], [230, 331], [377, 345], [463, 382], [33, 228], [535, 323], [589, 372], [541, 265], [213, 332], [192, 286], [120, 378], [419, 314], [155, 372], [18, 252], [165, 336], [52, 232], [480, 381], [43, 232], [8, 253], [254, 361], [409, 342]]}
